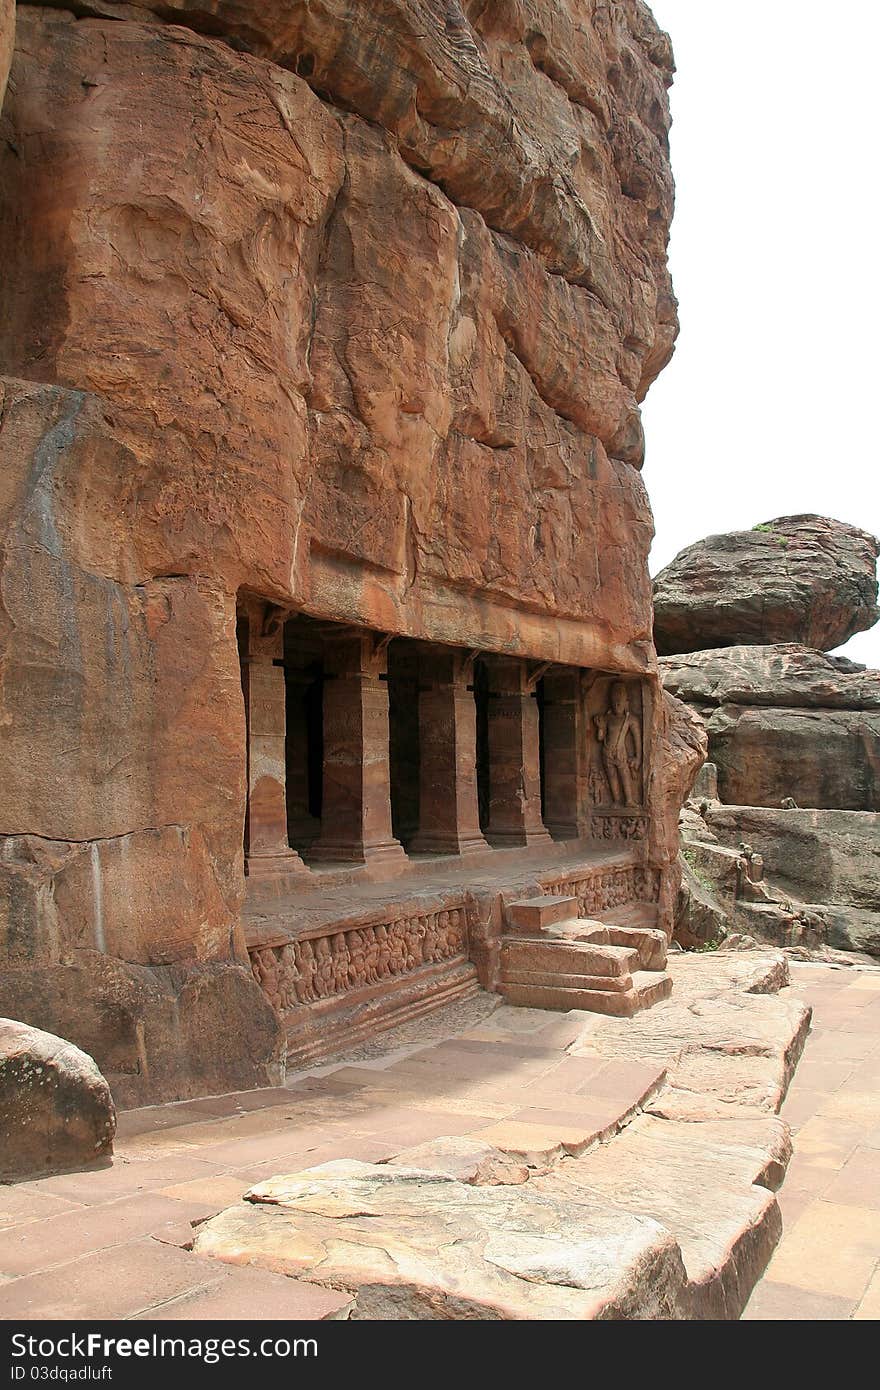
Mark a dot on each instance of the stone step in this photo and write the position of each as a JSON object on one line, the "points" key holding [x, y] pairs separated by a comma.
{"points": [[532, 915], [566, 956], [648, 988], [634, 914], [560, 979], [650, 944]]}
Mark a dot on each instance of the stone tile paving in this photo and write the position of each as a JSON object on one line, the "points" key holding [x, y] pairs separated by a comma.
{"points": [[827, 1265], [112, 1242]]}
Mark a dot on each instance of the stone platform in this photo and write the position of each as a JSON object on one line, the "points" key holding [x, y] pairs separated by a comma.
{"points": [[588, 1166]]}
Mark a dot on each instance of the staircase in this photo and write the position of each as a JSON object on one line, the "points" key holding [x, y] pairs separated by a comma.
{"points": [[553, 959]]}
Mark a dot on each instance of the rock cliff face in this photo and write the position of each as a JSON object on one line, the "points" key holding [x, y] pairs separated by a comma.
{"points": [[347, 307], [805, 579], [793, 734], [784, 722]]}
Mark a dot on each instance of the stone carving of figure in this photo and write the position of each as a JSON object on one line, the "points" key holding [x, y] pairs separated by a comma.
{"points": [[268, 976], [398, 948], [429, 946], [620, 736], [305, 960], [371, 955], [455, 935], [341, 963], [323, 967], [415, 945], [357, 959], [289, 978], [383, 952]]}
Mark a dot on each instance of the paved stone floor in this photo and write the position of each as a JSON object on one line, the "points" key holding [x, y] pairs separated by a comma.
{"points": [[113, 1242], [827, 1265]]}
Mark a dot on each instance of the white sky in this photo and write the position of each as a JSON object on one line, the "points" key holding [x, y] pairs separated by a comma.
{"points": [[768, 407]]}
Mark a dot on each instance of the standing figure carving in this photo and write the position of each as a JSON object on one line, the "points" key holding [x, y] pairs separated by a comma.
{"points": [[619, 734], [305, 960]]}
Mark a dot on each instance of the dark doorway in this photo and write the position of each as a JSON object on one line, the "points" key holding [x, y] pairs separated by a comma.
{"points": [[540, 698], [304, 735], [242, 637], [403, 737], [481, 699]]}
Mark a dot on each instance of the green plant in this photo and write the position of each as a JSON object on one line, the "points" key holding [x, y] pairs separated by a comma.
{"points": [[764, 526]]}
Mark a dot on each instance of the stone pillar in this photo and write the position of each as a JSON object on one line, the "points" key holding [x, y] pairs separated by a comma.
{"points": [[514, 757], [356, 803], [266, 845], [566, 755], [449, 821]]}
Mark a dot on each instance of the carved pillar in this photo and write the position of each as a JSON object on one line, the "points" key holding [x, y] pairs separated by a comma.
{"points": [[449, 821], [514, 756], [566, 755], [356, 802], [266, 846]]}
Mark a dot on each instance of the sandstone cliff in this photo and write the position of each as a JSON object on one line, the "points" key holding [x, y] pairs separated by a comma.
{"points": [[349, 307], [793, 733]]}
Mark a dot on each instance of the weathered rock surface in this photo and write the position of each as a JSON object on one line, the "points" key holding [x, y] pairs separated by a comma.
{"points": [[179, 1032], [785, 675], [805, 579], [820, 758], [785, 722], [701, 1181], [413, 359], [56, 1111], [352, 312], [822, 869], [7, 42], [670, 1214], [432, 1247]]}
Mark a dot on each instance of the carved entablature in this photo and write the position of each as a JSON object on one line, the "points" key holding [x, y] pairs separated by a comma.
{"points": [[618, 764], [302, 972], [605, 889], [615, 826]]}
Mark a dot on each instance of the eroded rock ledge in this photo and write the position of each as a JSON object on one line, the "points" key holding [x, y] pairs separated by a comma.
{"points": [[668, 1213]]}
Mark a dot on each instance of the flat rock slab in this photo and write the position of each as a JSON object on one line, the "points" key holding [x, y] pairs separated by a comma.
{"points": [[414, 1244], [699, 1180], [670, 1213]]}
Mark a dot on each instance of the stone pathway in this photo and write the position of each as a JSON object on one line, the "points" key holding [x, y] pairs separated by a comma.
{"points": [[604, 1100], [827, 1265]]}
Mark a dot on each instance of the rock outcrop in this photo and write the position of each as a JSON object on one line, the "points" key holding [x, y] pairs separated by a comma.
{"points": [[56, 1111], [320, 309], [779, 841], [803, 579], [817, 885], [785, 722]]}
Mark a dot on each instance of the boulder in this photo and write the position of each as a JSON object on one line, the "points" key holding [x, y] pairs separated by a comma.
{"points": [[786, 674], [785, 722], [806, 579], [822, 758], [56, 1110]]}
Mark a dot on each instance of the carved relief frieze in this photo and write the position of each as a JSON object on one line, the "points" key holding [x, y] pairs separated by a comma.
{"points": [[604, 890], [305, 971]]}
